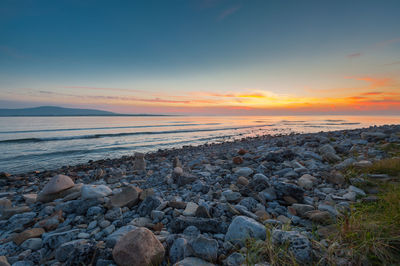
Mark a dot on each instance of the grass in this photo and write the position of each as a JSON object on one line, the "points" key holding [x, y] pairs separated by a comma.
{"points": [[371, 231], [389, 166], [368, 235], [393, 149], [266, 251]]}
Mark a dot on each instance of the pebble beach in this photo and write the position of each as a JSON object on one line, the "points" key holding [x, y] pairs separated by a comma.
{"points": [[195, 205]]}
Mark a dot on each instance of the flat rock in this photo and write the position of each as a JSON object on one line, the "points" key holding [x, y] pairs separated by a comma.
{"points": [[41, 197], [190, 209], [30, 198], [30, 233], [242, 228], [210, 225], [244, 171], [129, 196]]}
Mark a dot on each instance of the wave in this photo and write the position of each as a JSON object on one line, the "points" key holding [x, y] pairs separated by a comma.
{"points": [[111, 149], [123, 134], [101, 128]]}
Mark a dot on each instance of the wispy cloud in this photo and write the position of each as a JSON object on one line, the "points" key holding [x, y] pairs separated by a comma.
{"points": [[103, 89], [374, 82], [355, 55], [387, 42], [9, 51], [228, 12], [392, 63]]}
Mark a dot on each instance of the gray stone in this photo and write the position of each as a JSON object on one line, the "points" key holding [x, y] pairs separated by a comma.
{"points": [[32, 243], [244, 171], [234, 259], [285, 189], [299, 245], [242, 228], [357, 190], [116, 235], [139, 163], [23, 263], [148, 204], [113, 214], [301, 209], [129, 196], [109, 229], [205, 248], [157, 215], [179, 250], [53, 240], [211, 225], [76, 252], [231, 196], [193, 261]]}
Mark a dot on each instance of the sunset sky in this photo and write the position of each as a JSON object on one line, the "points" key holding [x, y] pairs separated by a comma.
{"points": [[202, 56]]}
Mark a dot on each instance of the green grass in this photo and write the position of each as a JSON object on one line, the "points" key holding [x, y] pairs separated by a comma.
{"points": [[393, 149], [386, 166], [265, 251], [372, 230]]}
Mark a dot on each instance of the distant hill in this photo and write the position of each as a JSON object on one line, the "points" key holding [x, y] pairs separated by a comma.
{"points": [[60, 111]]}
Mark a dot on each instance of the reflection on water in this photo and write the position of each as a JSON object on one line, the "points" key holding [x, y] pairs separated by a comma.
{"points": [[37, 143]]}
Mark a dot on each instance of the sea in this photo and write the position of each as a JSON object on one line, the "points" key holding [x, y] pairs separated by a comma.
{"points": [[45, 143]]}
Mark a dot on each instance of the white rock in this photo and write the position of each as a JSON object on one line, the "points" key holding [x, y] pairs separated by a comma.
{"points": [[95, 191], [190, 209]]}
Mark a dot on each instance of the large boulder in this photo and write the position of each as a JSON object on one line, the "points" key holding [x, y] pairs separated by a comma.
{"points": [[242, 228], [58, 183], [138, 247], [54, 187]]}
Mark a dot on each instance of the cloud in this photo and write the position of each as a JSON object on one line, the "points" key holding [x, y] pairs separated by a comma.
{"points": [[104, 89], [374, 82], [9, 51], [393, 63], [227, 12], [355, 55], [386, 43]]}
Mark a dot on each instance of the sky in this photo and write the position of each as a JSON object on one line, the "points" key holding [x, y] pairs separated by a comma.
{"points": [[207, 57]]}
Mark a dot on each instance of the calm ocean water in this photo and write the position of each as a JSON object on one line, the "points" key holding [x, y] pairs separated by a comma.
{"points": [[38, 143]]}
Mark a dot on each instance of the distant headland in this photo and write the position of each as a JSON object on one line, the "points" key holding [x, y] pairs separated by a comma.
{"points": [[62, 111]]}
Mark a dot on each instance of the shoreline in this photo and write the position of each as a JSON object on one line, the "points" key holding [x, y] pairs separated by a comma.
{"points": [[187, 148], [195, 204]]}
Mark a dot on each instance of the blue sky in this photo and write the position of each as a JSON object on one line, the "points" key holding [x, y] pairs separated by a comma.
{"points": [[133, 56]]}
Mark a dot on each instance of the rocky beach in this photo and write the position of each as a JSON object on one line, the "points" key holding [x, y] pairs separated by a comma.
{"points": [[212, 204]]}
